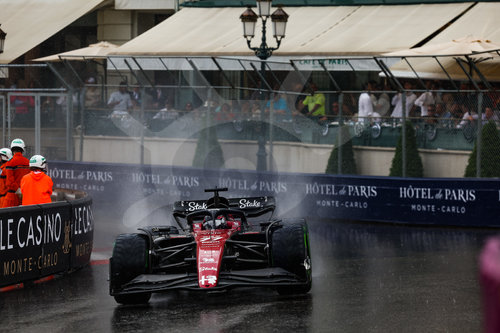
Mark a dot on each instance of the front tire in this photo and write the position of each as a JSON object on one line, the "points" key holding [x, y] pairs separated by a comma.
{"points": [[290, 251], [129, 260]]}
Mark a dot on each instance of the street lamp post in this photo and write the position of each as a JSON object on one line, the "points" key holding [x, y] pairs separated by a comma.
{"points": [[2, 39], [249, 19]]}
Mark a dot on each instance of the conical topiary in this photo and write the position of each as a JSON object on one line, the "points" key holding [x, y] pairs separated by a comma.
{"points": [[490, 153], [414, 166], [348, 166], [208, 153]]}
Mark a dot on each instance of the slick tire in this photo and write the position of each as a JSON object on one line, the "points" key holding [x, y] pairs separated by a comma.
{"points": [[129, 259], [290, 251]]}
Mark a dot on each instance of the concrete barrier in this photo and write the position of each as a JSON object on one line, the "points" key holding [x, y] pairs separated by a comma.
{"points": [[40, 240]]}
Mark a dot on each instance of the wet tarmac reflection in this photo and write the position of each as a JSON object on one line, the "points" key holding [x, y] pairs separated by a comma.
{"points": [[366, 278]]}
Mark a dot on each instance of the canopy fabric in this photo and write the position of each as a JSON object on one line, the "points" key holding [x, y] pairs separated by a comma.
{"points": [[311, 31], [371, 30], [480, 21], [460, 46], [30, 22], [465, 50], [429, 68], [145, 4], [93, 51]]}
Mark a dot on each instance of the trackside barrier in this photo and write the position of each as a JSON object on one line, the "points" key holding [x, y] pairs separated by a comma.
{"points": [[134, 192], [40, 240]]}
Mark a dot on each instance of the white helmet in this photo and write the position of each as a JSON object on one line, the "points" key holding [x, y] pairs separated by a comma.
{"points": [[17, 143], [5, 154], [38, 161]]}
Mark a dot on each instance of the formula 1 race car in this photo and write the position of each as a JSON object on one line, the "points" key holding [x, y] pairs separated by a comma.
{"points": [[216, 246]]}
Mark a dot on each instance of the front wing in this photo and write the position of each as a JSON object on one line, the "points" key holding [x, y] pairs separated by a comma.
{"points": [[265, 277]]}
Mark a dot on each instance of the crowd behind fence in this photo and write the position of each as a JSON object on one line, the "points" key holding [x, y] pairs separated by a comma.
{"points": [[444, 117], [434, 113]]}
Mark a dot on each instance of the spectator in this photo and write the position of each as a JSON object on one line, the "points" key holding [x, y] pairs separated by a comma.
{"points": [[365, 103], [15, 169], [314, 103], [120, 101], [36, 187], [439, 110], [382, 104], [432, 114], [136, 96], [295, 100], [469, 117], [346, 111], [488, 115], [246, 109], [255, 110], [92, 94], [280, 107], [426, 99], [335, 111], [451, 117], [159, 98], [225, 113], [167, 113], [5, 156], [397, 102]]}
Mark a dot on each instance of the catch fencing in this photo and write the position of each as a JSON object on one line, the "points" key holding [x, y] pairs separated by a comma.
{"points": [[179, 98]]}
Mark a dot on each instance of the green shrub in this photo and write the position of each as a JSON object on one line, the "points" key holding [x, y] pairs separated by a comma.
{"points": [[414, 166], [348, 166], [208, 153], [490, 154]]}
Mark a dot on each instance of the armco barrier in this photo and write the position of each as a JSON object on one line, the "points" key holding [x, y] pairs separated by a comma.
{"points": [[132, 192], [40, 240]]}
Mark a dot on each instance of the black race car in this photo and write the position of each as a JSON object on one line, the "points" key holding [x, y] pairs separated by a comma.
{"points": [[218, 244]]}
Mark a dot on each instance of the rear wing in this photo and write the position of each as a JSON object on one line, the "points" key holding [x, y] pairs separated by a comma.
{"points": [[251, 206]]}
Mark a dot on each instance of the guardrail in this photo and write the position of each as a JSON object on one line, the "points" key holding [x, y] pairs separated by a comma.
{"points": [[41, 240]]}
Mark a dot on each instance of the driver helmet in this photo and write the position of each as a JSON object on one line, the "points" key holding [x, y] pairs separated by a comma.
{"points": [[38, 161], [208, 222], [19, 143], [220, 221], [5, 154]]}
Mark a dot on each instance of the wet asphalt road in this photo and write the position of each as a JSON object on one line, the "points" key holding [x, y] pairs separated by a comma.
{"points": [[366, 278]]}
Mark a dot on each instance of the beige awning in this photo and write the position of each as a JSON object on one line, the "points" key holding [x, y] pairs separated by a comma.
{"points": [[372, 30], [481, 21], [468, 45], [30, 22], [93, 51], [146, 4], [448, 67], [311, 31], [452, 59]]}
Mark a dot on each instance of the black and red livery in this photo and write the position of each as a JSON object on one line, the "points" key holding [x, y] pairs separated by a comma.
{"points": [[217, 244]]}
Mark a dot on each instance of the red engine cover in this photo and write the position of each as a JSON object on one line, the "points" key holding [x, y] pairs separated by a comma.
{"points": [[209, 254]]}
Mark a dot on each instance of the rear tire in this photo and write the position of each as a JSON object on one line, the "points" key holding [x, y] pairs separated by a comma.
{"points": [[290, 251], [129, 260]]}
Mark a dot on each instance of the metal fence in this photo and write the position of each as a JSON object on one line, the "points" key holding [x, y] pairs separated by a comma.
{"points": [[446, 115]]}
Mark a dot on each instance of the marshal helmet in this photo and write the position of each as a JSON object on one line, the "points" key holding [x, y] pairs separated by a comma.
{"points": [[38, 161], [18, 143], [5, 154]]}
